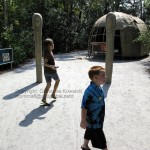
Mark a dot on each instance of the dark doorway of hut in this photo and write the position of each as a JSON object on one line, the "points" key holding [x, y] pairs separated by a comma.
{"points": [[98, 44], [117, 43]]}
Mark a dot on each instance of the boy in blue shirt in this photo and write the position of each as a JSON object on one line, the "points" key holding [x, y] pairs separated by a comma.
{"points": [[93, 110]]}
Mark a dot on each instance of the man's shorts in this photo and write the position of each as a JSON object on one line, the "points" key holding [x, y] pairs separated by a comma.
{"points": [[97, 137], [49, 77]]}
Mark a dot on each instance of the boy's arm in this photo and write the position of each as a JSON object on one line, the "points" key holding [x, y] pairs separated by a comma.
{"points": [[83, 123]]}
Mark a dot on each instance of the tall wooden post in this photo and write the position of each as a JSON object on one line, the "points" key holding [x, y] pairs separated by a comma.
{"points": [[37, 22], [110, 34]]}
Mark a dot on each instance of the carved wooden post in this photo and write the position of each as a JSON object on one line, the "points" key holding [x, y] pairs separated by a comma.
{"points": [[37, 22], [110, 34]]}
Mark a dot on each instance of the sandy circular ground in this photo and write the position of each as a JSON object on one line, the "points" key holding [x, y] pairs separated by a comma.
{"points": [[25, 125]]}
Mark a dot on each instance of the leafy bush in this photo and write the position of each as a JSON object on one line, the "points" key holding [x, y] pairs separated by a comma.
{"points": [[21, 43], [144, 37]]}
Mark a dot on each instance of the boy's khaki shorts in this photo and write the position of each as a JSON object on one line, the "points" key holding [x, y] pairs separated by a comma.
{"points": [[97, 137]]}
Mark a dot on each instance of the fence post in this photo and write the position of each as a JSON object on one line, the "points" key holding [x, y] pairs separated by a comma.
{"points": [[37, 22], [110, 34]]}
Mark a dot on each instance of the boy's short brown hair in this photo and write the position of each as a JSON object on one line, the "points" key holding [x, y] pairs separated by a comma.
{"points": [[95, 70]]}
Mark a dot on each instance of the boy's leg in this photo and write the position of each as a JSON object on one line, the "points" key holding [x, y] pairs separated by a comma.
{"points": [[98, 139], [87, 137], [46, 91], [85, 144], [55, 89]]}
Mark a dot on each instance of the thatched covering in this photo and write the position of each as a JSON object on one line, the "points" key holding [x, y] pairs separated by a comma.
{"points": [[127, 30], [123, 20]]}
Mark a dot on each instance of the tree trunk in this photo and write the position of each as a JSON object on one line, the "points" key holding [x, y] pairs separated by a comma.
{"points": [[5, 14]]}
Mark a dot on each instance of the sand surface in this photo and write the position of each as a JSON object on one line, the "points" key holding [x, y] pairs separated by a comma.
{"points": [[25, 125]]}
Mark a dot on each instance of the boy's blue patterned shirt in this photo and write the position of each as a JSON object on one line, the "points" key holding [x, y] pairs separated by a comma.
{"points": [[93, 101]]}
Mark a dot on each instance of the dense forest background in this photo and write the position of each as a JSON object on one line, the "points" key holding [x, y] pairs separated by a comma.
{"points": [[67, 22]]}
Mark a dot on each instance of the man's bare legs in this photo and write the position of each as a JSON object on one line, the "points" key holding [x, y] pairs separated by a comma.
{"points": [[46, 91], [55, 89]]}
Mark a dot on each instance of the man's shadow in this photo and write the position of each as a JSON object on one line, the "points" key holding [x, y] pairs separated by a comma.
{"points": [[36, 114], [19, 92]]}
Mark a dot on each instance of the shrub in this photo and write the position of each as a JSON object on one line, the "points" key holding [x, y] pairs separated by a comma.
{"points": [[144, 37]]}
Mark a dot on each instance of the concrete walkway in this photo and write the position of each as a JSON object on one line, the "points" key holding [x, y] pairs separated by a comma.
{"points": [[25, 125]]}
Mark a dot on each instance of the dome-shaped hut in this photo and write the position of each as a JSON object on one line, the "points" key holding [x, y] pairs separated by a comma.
{"points": [[127, 30]]}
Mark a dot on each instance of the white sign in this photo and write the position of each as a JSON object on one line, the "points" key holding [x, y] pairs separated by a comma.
{"points": [[6, 57]]}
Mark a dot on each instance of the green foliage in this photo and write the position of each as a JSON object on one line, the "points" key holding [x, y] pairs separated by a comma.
{"points": [[22, 46], [68, 22], [16, 33], [19, 55], [147, 3], [144, 37]]}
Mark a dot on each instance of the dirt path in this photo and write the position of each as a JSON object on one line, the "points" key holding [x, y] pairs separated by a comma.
{"points": [[25, 125]]}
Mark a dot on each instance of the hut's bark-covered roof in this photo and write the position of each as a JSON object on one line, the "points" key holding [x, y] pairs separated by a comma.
{"points": [[123, 20]]}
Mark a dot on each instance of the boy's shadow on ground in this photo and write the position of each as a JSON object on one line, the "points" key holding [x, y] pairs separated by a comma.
{"points": [[19, 92], [36, 114]]}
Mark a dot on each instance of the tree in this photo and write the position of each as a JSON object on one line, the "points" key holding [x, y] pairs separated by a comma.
{"points": [[147, 11], [68, 22]]}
